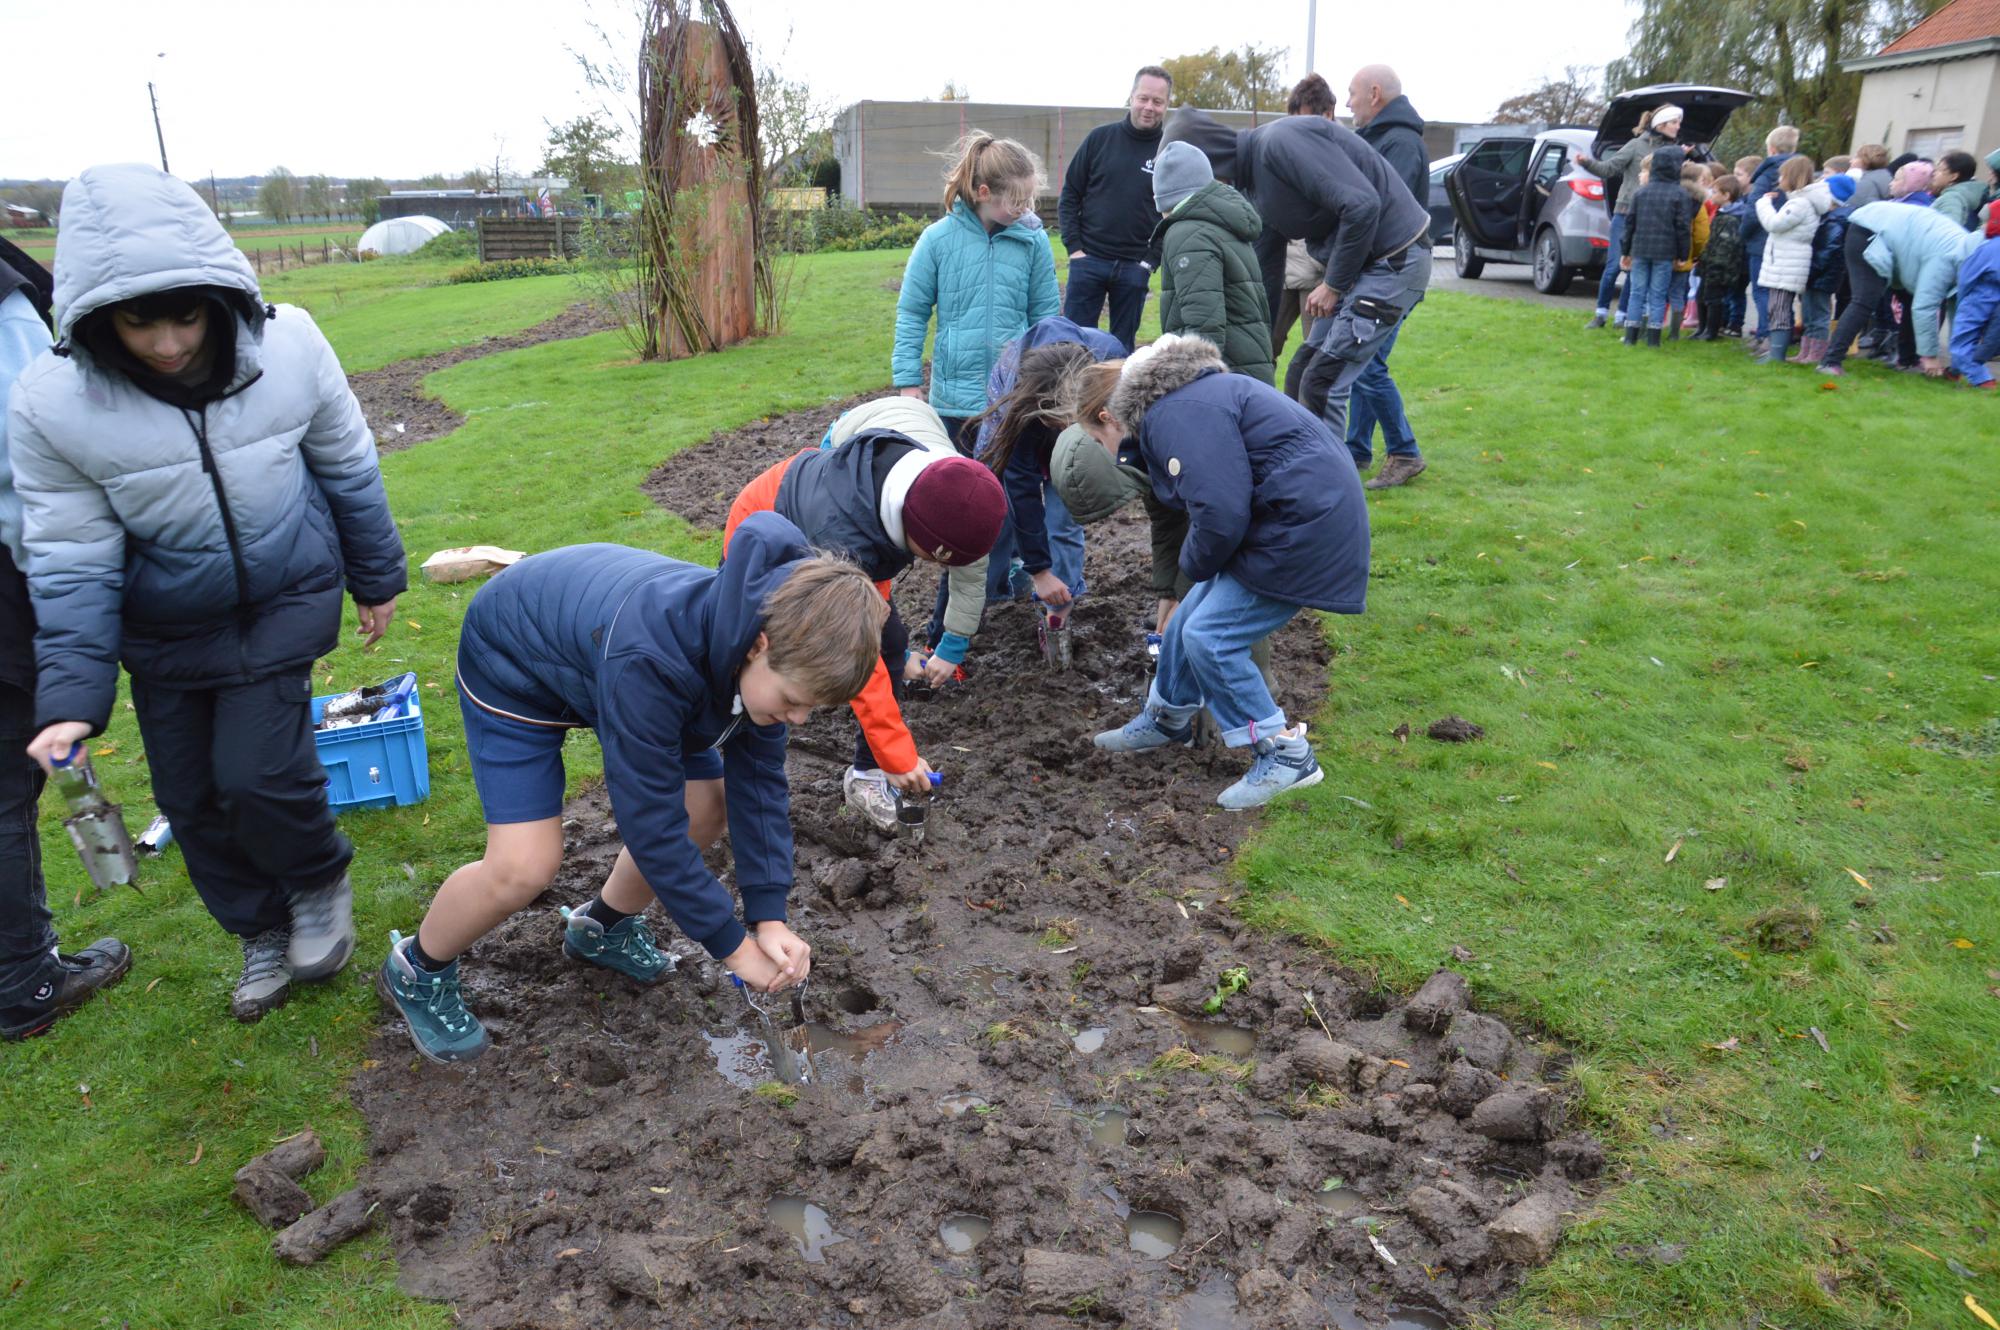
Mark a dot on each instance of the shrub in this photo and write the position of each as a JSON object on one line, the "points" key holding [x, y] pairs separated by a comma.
{"points": [[451, 245], [899, 234], [502, 269], [841, 229]]}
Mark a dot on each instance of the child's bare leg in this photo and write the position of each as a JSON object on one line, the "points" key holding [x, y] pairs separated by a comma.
{"points": [[626, 890], [521, 860]]}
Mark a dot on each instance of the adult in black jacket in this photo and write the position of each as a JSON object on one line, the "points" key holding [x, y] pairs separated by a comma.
{"points": [[1384, 118], [1107, 215], [38, 983], [1313, 180]]}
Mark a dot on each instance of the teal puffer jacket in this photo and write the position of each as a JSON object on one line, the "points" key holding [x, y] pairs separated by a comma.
{"points": [[985, 289]]}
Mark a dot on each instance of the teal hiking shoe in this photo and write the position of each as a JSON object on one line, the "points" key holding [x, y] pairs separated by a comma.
{"points": [[1151, 728], [431, 1005], [627, 947], [1280, 765]]}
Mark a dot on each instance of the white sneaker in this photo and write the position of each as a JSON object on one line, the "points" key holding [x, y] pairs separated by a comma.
{"points": [[868, 794]]}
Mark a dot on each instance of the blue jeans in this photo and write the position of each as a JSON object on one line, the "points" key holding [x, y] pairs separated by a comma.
{"points": [[1375, 400], [1816, 308], [1609, 281], [1649, 282], [1093, 280], [1205, 659], [1677, 291], [1760, 296]]}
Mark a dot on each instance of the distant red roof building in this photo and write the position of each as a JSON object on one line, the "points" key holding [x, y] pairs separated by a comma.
{"points": [[1959, 21]]}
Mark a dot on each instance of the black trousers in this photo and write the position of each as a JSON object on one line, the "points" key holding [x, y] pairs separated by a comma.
{"points": [[235, 771], [1867, 290], [895, 645], [27, 937]]}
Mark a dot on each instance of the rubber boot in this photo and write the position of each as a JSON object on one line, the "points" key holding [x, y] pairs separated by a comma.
{"points": [[1653, 337], [1631, 334], [1674, 324], [1780, 339]]}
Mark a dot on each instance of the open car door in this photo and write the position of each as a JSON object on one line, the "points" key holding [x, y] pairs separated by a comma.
{"points": [[1488, 190]]}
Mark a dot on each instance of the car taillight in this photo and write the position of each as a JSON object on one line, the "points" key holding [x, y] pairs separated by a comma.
{"points": [[1587, 187]]}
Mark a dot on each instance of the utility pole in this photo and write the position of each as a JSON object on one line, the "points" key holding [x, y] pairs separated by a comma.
{"points": [[1312, 31], [157, 133]]}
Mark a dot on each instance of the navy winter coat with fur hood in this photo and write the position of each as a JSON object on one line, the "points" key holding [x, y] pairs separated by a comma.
{"points": [[645, 650], [1271, 497], [206, 544]]}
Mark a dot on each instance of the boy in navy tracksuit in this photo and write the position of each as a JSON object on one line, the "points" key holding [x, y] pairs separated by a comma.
{"points": [[689, 676]]}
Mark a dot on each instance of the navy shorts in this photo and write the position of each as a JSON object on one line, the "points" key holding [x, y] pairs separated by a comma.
{"points": [[517, 765]]}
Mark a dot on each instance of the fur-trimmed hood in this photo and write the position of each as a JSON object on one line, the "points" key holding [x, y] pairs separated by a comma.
{"points": [[1155, 370]]}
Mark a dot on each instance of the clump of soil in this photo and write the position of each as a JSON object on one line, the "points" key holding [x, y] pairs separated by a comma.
{"points": [[402, 414], [1056, 1081], [1455, 730]]}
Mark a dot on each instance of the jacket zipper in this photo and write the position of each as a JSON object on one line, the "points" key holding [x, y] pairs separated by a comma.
{"points": [[198, 423]]}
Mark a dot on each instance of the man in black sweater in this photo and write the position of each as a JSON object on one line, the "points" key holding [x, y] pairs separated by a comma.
{"points": [[1107, 214], [1384, 118], [1313, 180]]}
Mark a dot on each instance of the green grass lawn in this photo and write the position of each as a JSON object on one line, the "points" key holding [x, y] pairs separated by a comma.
{"points": [[1695, 602]]}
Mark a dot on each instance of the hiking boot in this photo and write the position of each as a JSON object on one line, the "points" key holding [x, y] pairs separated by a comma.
{"points": [[1396, 471], [1151, 728], [1280, 764], [266, 980], [627, 946], [1597, 320], [75, 981], [1831, 370], [322, 931], [868, 794], [431, 1006]]}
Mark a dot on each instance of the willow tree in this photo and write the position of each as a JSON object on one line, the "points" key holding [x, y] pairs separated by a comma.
{"points": [[1788, 52]]}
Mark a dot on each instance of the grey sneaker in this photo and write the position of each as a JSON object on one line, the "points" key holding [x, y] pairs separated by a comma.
{"points": [[322, 931], [432, 1006], [1280, 765], [1151, 728], [1396, 471], [267, 975], [868, 794]]}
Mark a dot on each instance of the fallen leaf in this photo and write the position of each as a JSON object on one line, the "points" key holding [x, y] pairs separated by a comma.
{"points": [[1673, 850], [1820, 1039], [1858, 878], [1398, 1062], [1923, 1250], [1728, 1045], [1383, 1252], [369, 1064], [199, 1146], [544, 1150], [1403, 900], [1872, 1191], [312, 1044], [1550, 765], [415, 627], [155, 984], [1462, 954], [1957, 1269], [568, 1252], [105, 751], [1512, 873], [661, 1191], [1183, 909], [1962, 943], [1715, 884], [1973, 1306]]}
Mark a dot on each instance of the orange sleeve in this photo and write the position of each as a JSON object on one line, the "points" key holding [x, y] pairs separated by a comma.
{"points": [[759, 496], [882, 723]]}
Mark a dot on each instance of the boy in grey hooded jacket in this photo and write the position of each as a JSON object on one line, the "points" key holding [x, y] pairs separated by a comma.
{"points": [[198, 485]]}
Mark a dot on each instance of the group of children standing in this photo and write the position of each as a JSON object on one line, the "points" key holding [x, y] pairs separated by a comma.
{"points": [[197, 492], [1798, 245]]}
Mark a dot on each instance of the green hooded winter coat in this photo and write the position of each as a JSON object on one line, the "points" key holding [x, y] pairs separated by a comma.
{"points": [[1210, 283]]}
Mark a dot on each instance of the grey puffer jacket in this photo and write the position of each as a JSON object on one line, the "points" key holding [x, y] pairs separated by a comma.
{"points": [[209, 544]]}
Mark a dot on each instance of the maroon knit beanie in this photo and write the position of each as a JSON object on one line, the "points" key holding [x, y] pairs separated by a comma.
{"points": [[954, 510]]}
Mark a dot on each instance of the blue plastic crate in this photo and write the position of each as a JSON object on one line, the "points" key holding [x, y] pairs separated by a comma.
{"points": [[383, 764]]}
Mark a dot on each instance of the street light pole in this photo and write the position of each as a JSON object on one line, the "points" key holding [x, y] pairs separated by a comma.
{"points": [[157, 133], [1312, 31]]}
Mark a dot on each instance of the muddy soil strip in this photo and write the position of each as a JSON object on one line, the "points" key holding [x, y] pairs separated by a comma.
{"points": [[1058, 1082], [402, 414]]}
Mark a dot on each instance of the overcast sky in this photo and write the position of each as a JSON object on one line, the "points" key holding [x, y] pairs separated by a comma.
{"points": [[404, 89]]}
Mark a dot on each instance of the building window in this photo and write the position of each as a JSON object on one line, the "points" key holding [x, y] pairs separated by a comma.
{"points": [[1930, 144]]}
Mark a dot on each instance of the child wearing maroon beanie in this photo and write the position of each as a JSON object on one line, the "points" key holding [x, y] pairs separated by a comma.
{"points": [[888, 488]]}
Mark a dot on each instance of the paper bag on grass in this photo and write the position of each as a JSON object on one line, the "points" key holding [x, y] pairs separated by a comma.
{"points": [[469, 561]]}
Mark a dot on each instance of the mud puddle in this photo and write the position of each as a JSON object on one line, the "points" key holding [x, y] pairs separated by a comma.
{"points": [[601, 1168], [399, 411]]}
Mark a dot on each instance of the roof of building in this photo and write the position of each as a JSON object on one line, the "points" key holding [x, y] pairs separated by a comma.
{"points": [[1959, 21]]}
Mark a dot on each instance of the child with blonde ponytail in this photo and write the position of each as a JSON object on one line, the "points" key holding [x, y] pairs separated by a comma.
{"points": [[984, 268]]}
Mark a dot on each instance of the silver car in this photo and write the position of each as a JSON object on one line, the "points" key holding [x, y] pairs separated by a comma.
{"points": [[1523, 199]]}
